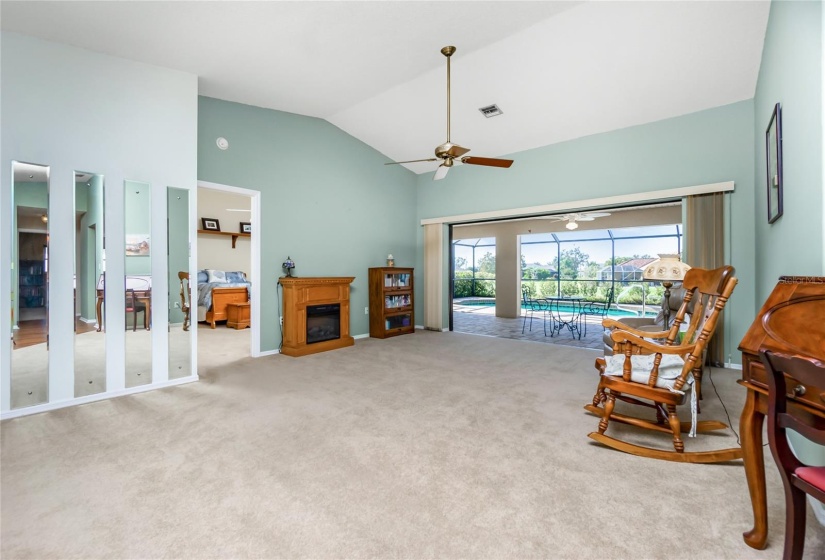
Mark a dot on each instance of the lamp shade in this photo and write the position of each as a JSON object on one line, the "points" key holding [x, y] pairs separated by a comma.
{"points": [[669, 268]]}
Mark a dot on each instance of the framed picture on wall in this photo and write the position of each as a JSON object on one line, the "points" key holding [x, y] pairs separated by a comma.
{"points": [[773, 147], [211, 224], [137, 245], [246, 227]]}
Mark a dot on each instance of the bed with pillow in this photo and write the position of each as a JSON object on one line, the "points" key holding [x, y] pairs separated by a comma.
{"points": [[216, 289]]}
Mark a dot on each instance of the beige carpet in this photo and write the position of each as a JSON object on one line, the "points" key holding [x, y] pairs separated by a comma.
{"points": [[424, 446]]}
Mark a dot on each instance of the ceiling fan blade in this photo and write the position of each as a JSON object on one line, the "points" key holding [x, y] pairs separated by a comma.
{"points": [[457, 151], [584, 219], [411, 161], [441, 172], [491, 162], [596, 214]]}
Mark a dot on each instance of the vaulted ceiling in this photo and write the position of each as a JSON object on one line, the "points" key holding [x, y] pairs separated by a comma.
{"points": [[558, 70]]}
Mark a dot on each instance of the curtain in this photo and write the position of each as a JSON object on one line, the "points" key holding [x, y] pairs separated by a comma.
{"points": [[705, 248], [433, 276]]}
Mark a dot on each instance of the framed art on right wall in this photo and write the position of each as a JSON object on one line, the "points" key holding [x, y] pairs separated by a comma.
{"points": [[773, 147]]}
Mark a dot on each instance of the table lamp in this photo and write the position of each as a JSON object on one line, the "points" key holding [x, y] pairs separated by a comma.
{"points": [[667, 270], [288, 265]]}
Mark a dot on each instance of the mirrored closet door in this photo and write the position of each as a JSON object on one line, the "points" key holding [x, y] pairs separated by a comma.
{"points": [[30, 285], [137, 283], [89, 285], [180, 294]]}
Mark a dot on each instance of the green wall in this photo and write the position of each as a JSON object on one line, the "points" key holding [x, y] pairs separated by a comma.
{"points": [[138, 221], [791, 74], [327, 199], [706, 147], [177, 210], [90, 265], [32, 195]]}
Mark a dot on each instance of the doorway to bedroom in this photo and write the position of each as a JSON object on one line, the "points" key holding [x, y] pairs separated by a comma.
{"points": [[224, 298]]}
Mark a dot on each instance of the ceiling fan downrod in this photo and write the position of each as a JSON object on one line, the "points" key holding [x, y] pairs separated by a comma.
{"points": [[448, 52]]}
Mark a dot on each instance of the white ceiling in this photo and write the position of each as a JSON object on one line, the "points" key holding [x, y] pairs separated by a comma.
{"points": [[558, 70]]}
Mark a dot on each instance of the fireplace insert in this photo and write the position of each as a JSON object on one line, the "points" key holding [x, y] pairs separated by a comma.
{"points": [[323, 322]]}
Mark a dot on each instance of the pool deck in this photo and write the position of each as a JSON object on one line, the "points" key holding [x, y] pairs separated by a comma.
{"points": [[482, 320]]}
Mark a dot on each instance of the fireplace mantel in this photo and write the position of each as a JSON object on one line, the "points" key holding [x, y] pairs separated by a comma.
{"points": [[301, 292]]}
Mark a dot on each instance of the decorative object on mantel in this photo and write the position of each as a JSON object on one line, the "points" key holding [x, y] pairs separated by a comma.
{"points": [[288, 265], [667, 270], [390, 260], [773, 149], [211, 224], [246, 227]]}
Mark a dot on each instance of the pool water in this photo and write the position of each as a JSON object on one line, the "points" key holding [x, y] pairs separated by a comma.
{"points": [[565, 309]]}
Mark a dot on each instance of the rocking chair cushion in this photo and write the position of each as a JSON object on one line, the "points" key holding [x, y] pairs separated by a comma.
{"points": [[641, 365], [670, 368]]}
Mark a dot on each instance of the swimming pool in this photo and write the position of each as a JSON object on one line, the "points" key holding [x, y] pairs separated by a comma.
{"points": [[563, 308]]}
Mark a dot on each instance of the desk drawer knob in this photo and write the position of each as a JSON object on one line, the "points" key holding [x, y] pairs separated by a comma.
{"points": [[799, 390]]}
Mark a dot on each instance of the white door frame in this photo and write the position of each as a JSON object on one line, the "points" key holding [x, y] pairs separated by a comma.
{"points": [[255, 257]]}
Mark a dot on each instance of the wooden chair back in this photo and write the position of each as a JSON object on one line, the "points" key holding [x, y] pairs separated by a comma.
{"points": [[706, 293], [185, 297], [808, 372], [798, 478]]}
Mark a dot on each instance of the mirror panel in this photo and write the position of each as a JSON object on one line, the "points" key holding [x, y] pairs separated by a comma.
{"points": [[138, 282], [180, 335], [30, 285], [89, 287]]}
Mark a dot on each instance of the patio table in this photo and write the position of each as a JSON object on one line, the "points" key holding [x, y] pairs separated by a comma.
{"points": [[566, 312]]}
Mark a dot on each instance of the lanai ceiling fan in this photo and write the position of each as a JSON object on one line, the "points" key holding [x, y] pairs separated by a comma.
{"points": [[573, 218], [448, 152]]}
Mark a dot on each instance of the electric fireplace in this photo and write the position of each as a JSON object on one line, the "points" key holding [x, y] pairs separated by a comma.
{"points": [[316, 314], [323, 322]]}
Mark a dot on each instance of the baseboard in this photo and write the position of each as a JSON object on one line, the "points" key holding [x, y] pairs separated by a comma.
{"points": [[267, 353], [47, 407], [730, 365], [357, 336]]}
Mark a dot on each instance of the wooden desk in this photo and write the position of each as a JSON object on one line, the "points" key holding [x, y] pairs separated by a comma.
{"points": [[790, 321]]}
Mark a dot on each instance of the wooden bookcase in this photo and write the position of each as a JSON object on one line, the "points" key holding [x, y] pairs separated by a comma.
{"points": [[391, 301]]}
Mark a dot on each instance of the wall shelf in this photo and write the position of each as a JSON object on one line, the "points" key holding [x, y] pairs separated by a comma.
{"points": [[235, 234]]}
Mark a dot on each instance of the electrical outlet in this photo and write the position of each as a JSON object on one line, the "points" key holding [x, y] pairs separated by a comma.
{"points": [[366, 311], [282, 321]]}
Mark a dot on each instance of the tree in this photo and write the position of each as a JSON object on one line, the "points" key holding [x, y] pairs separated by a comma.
{"points": [[572, 261], [460, 263], [487, 263]]}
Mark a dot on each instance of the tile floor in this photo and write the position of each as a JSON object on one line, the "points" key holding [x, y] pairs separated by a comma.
{"points": [[482, 320]]}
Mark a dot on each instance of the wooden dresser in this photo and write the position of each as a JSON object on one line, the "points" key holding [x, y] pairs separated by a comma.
{"points": [[791, 321]]}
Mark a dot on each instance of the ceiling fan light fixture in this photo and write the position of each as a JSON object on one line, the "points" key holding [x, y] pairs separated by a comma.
{"points": [[571, 225]]}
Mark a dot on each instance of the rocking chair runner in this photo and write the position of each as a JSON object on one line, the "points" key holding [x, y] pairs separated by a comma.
{"points": [[664, 370]]}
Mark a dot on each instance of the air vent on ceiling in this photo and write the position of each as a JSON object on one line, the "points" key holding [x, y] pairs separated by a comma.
{"points": [[490, 111]]}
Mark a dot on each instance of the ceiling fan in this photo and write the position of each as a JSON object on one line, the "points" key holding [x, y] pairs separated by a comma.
{"points": [[448, 152], [573, 218]]}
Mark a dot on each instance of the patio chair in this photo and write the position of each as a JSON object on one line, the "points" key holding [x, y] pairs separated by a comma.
{"points": [[530, 306], [597, 308]]}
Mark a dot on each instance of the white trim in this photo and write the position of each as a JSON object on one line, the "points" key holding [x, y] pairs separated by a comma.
{"points": [[634, 198], [359, 336], [268, 353], [46, 407], [730, 365], [255, 257]]}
